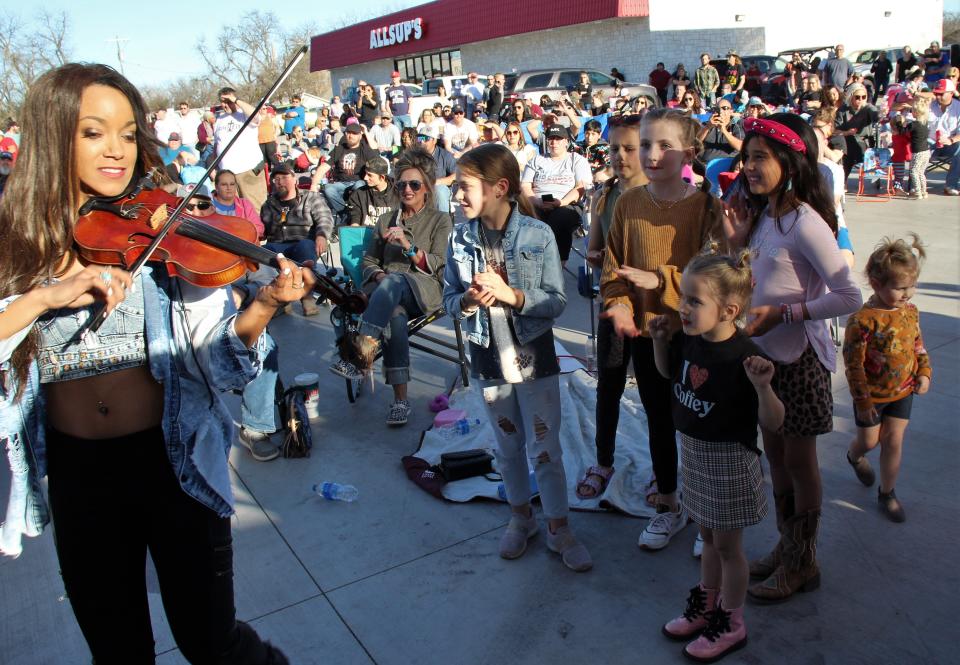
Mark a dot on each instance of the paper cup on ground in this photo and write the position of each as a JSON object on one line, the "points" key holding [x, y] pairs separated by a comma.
{"points": [[310, 384]]}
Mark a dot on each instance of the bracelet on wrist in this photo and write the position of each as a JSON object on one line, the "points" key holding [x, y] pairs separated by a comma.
{"points": [[796, 312], [786, 314]]}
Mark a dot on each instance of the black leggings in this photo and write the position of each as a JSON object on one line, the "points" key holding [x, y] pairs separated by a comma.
{"points": [[113, 500], [564, 221], [612, 360]]}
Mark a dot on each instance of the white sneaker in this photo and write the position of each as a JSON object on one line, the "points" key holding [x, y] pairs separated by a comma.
{"points": [[698, 546], [259, 444], [662, 527]]}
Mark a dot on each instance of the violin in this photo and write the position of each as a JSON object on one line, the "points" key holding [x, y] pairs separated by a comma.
{"points": [[211, 251]]}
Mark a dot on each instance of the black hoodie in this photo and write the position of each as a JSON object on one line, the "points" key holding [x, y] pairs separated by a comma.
{"points": [[366, 204]]}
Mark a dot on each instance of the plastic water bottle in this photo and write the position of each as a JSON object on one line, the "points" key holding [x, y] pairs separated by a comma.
{"points": [[463, 425], [589, 354], [534, 490], [336, 492]]}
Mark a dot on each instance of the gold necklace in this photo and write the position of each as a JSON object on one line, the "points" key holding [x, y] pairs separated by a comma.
{"points": [[664, 205]]}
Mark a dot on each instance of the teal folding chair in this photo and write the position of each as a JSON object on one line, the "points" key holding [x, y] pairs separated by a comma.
{"points": [[353, 245]]}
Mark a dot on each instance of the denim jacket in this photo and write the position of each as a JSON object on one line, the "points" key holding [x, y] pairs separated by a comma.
{"points": [[193, 351], [533, 266]]}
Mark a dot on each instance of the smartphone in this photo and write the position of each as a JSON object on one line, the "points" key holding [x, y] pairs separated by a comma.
{"points": [[546, 198]]}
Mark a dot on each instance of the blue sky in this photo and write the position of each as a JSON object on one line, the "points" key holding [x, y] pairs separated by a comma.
{"points": [[163, 34]]}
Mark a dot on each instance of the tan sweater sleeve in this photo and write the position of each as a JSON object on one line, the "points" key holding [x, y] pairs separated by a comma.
{"points": [[613, 289]]}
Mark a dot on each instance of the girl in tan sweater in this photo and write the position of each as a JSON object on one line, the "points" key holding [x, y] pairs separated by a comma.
{"points": [[657, 228]]}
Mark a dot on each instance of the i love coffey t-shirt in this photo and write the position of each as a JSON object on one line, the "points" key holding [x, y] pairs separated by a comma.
{"points": [[712, 398]]}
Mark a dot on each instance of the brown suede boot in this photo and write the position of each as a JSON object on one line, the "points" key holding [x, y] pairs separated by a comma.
{"points": [[798, 570], [764, 566]]}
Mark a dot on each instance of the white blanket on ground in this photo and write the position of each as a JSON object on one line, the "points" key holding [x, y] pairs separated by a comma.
{"points": [[578, 392]]}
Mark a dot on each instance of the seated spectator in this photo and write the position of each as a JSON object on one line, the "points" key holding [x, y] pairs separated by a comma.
{"points": [[6, 166], [444, 167], [513, 138], [403, 275], [330, 137], [678, 93], [756, 108], [429, 119], [944, 130], [377, 197], [344, 167], [189, 170], [690, 103], [227, 201], [314, 132], [721, 135], [555, 186], [408, 140], [386, 135], [173, 148], [301, 155], [460, 134], [297, 223], [856, 120], [595, 150], [537, 128], [490, 132]]}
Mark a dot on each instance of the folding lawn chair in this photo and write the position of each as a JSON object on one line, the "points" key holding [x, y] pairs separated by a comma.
{"points": [[353, 244]]}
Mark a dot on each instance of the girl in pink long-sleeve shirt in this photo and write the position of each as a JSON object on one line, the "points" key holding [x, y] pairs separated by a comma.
{"points": [[788, 221]]}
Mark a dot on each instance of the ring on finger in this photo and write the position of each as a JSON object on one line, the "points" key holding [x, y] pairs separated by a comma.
{"points": [[106, 276]]}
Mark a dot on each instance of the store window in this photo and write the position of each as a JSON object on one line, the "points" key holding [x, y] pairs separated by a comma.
{"points": [[416, 68]]}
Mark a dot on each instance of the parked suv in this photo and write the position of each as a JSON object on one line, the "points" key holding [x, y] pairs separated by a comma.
{"points": [[535, 83], [863, 60]]}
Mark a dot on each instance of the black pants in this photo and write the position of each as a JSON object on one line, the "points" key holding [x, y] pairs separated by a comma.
{"points": [[113, 500], [269, 151], [613, 357], [564, 221]]}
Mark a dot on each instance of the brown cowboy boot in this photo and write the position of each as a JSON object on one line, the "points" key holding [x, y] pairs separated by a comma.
{"points": [[764, 566], [798, 570]]}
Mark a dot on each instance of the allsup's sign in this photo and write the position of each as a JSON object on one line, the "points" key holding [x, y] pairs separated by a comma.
{"points": [[396, 33]]}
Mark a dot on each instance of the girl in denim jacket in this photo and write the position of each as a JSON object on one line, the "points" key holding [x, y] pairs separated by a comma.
{"points": [[125, 422], [503, 277]]}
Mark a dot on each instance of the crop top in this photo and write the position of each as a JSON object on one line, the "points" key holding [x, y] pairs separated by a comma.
{"points": [[119, 344]]}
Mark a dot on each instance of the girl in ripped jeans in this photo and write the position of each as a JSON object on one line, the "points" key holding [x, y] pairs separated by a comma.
{"points": [[504, 280]]}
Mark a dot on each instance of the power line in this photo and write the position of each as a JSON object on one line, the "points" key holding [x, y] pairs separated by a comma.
{"points": [[119, 41]]}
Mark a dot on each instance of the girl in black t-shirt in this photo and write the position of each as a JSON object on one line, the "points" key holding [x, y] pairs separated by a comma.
{"points": [[720, 386]]}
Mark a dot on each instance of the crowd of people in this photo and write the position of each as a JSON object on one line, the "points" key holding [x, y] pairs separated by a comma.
{"points": [[723, 306]]}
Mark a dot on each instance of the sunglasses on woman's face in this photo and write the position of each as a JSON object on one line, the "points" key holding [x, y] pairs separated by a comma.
{"points": [[859, 96], [513, 133], [414, 185], [199, 205]]}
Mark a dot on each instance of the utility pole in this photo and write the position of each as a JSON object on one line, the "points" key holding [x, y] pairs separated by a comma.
{"points": [[119, 41]]}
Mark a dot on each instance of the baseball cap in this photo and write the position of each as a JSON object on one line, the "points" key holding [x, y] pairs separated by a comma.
{"points": [[755, 101], [6, 155], [353, 128], [457, 109], [558, 132], [394, 74], [731, 52], [174, 136], [429, 131], [944, 85], [281, 170], [377, 165]]}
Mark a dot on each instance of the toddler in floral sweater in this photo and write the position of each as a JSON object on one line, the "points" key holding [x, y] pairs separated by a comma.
{"points": [[886, 364]]}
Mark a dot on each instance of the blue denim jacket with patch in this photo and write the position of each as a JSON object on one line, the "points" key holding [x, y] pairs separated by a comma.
{"points": [[533, 266], [193, 352]]}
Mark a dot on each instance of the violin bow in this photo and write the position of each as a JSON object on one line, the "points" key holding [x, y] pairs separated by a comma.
{"points": [[100, 313]]}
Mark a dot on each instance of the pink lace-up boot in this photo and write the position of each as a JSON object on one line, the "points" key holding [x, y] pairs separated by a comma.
{"points": [[693, 620], [724, 634]]}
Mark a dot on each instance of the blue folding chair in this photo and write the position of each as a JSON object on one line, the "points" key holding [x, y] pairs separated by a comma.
{"points": [[714, 168], [353, 245]]}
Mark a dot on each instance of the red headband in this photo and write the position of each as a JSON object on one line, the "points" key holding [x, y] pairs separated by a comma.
{"points": [[776, 131]]}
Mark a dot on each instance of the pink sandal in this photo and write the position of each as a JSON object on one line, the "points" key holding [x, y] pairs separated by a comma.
{"points": [[597, 478]]}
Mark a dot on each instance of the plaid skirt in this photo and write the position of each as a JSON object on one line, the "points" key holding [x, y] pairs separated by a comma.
{"points": [[722, 484], [804, 388]]}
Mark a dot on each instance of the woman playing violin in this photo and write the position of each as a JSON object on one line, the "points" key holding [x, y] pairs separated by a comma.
{"points": [[126, 423]]}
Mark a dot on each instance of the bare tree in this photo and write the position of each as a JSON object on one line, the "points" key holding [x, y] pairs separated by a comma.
{"points": [[27, 50], [951, 27], [245, 52]]}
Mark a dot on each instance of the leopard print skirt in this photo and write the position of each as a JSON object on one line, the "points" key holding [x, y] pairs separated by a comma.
{"points": [[804, 388]]}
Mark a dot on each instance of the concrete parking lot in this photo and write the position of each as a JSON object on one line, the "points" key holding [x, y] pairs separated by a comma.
{"points": [[400, 577]]}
